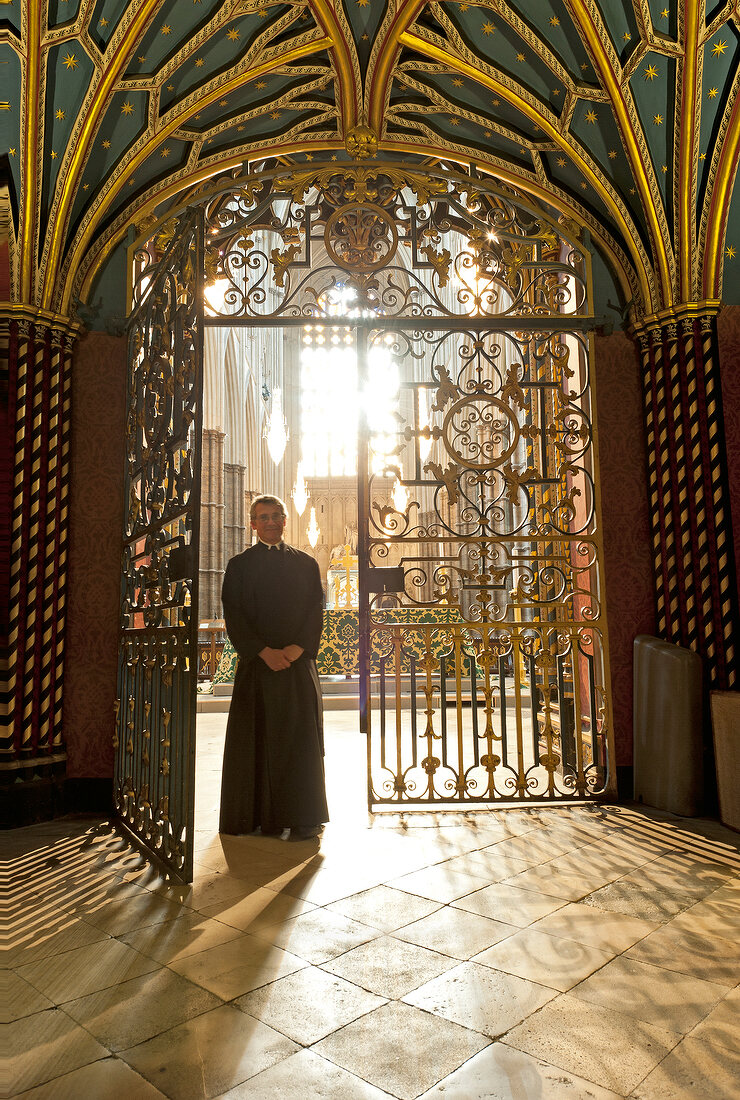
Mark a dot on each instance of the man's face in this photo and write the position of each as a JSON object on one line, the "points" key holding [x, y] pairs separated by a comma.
{"points": [[269, 523]]}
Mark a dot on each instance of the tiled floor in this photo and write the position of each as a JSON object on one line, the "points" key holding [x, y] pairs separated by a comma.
{"points": [[512, 955]]}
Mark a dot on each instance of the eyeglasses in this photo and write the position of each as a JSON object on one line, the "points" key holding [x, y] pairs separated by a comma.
{"points": [[263, 517]]}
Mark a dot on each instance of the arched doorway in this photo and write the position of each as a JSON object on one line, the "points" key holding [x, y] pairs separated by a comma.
{"points": [[480, 627]]}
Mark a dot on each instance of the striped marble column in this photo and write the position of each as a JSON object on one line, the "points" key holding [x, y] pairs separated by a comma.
{"points": [[696, 587]]}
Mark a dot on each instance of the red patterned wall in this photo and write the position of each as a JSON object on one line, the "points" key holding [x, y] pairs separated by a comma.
{"points": [[96, 510], [628, 564], [728, 334]]}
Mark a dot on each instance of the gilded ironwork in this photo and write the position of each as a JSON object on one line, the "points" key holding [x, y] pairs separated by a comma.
{"points": [[405, 243], [154, 764]]}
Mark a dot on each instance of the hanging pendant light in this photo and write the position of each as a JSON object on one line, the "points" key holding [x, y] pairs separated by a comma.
{"points": [[313, 531], [277, 429], [300, 493]]}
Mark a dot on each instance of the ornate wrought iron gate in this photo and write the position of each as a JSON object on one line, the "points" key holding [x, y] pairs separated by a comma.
{"points": [[154, 777], [480, 535]]}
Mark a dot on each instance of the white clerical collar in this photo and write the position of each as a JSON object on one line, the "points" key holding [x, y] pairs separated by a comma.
{"points": [[271, 545]]}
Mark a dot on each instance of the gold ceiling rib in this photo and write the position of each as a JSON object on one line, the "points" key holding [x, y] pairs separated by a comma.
{"points": [[719, 206], [98, 107], [28, 229], [195, 105], [591, 35], [420, 45], [687, 153], [382, 72], [349, 92]]}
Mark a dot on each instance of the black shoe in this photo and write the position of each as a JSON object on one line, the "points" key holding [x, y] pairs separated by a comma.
{"points": [[306, 832]]}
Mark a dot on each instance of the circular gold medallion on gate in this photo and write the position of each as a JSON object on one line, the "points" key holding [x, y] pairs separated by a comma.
{"points": [[360, 237]]}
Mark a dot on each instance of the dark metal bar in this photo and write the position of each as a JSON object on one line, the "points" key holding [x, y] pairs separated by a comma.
{"points": [[502, 696]]}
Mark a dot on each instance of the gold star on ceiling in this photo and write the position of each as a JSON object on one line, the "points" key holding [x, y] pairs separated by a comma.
{"points": [[651, 72], [70, 61], [556, 91], [487, 134], [554, 22], [664, 169], [141, 60], [223, 103], [60, 114], [262, 13], [12, 151], [561, 162], [275, 114], [127, 108], [165, 152], [658, 120], [730, 252], [626, 37], [584, 185], [584, 66], [239, 129], [454, 121], [105, 143], [233, 34], [718, 49], [54, 155], [104, 22], [86, 187], [632, 191], [664, 13], [591, 117], [260, 85], [496, 102], [309, 156], [702, 156], [166, 29], [520, 57], [488, 28], [170, 87], [199, 62], [712, 93], [131, 182], [612, 154], [457, 82], [362, 3]]}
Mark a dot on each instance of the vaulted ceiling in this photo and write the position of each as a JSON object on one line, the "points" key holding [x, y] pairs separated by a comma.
{"points": [[624, 116]]}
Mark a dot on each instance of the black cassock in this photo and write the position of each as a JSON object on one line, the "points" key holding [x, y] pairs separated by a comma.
{"points": [[273, 772]]}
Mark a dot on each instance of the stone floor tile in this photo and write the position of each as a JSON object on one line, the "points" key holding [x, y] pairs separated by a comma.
{"points": [[321, 887], [134, 1011], [707, 956], [639, 900], [107, 1079], [115, 918], [537, 846], [557, 963], [46, 1045], [317, 936], [694, 1070], [175, 939], [651, 993], [205, 890], [600, 928], [501, 1073], [509, 904], [486, 864], [485, 1000], [384, 908], [401, 1049], [722, 1025], [309, 1005], [440, 883], [18, 998], [455, 932], [554, 883], [236, 967], [28, 944], [389, 967], [712, 916], [87, 969], [308, 1076], [260, 908], [610, 1048], [209, 1054]]}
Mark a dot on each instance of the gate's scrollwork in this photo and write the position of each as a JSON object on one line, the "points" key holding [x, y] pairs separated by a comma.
{"points": [[155, 709], [480, 541], [408, 243]]}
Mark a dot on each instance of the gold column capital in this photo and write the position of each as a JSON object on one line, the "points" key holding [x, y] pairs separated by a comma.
{"points": [[686, 311], [19, 311]]}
